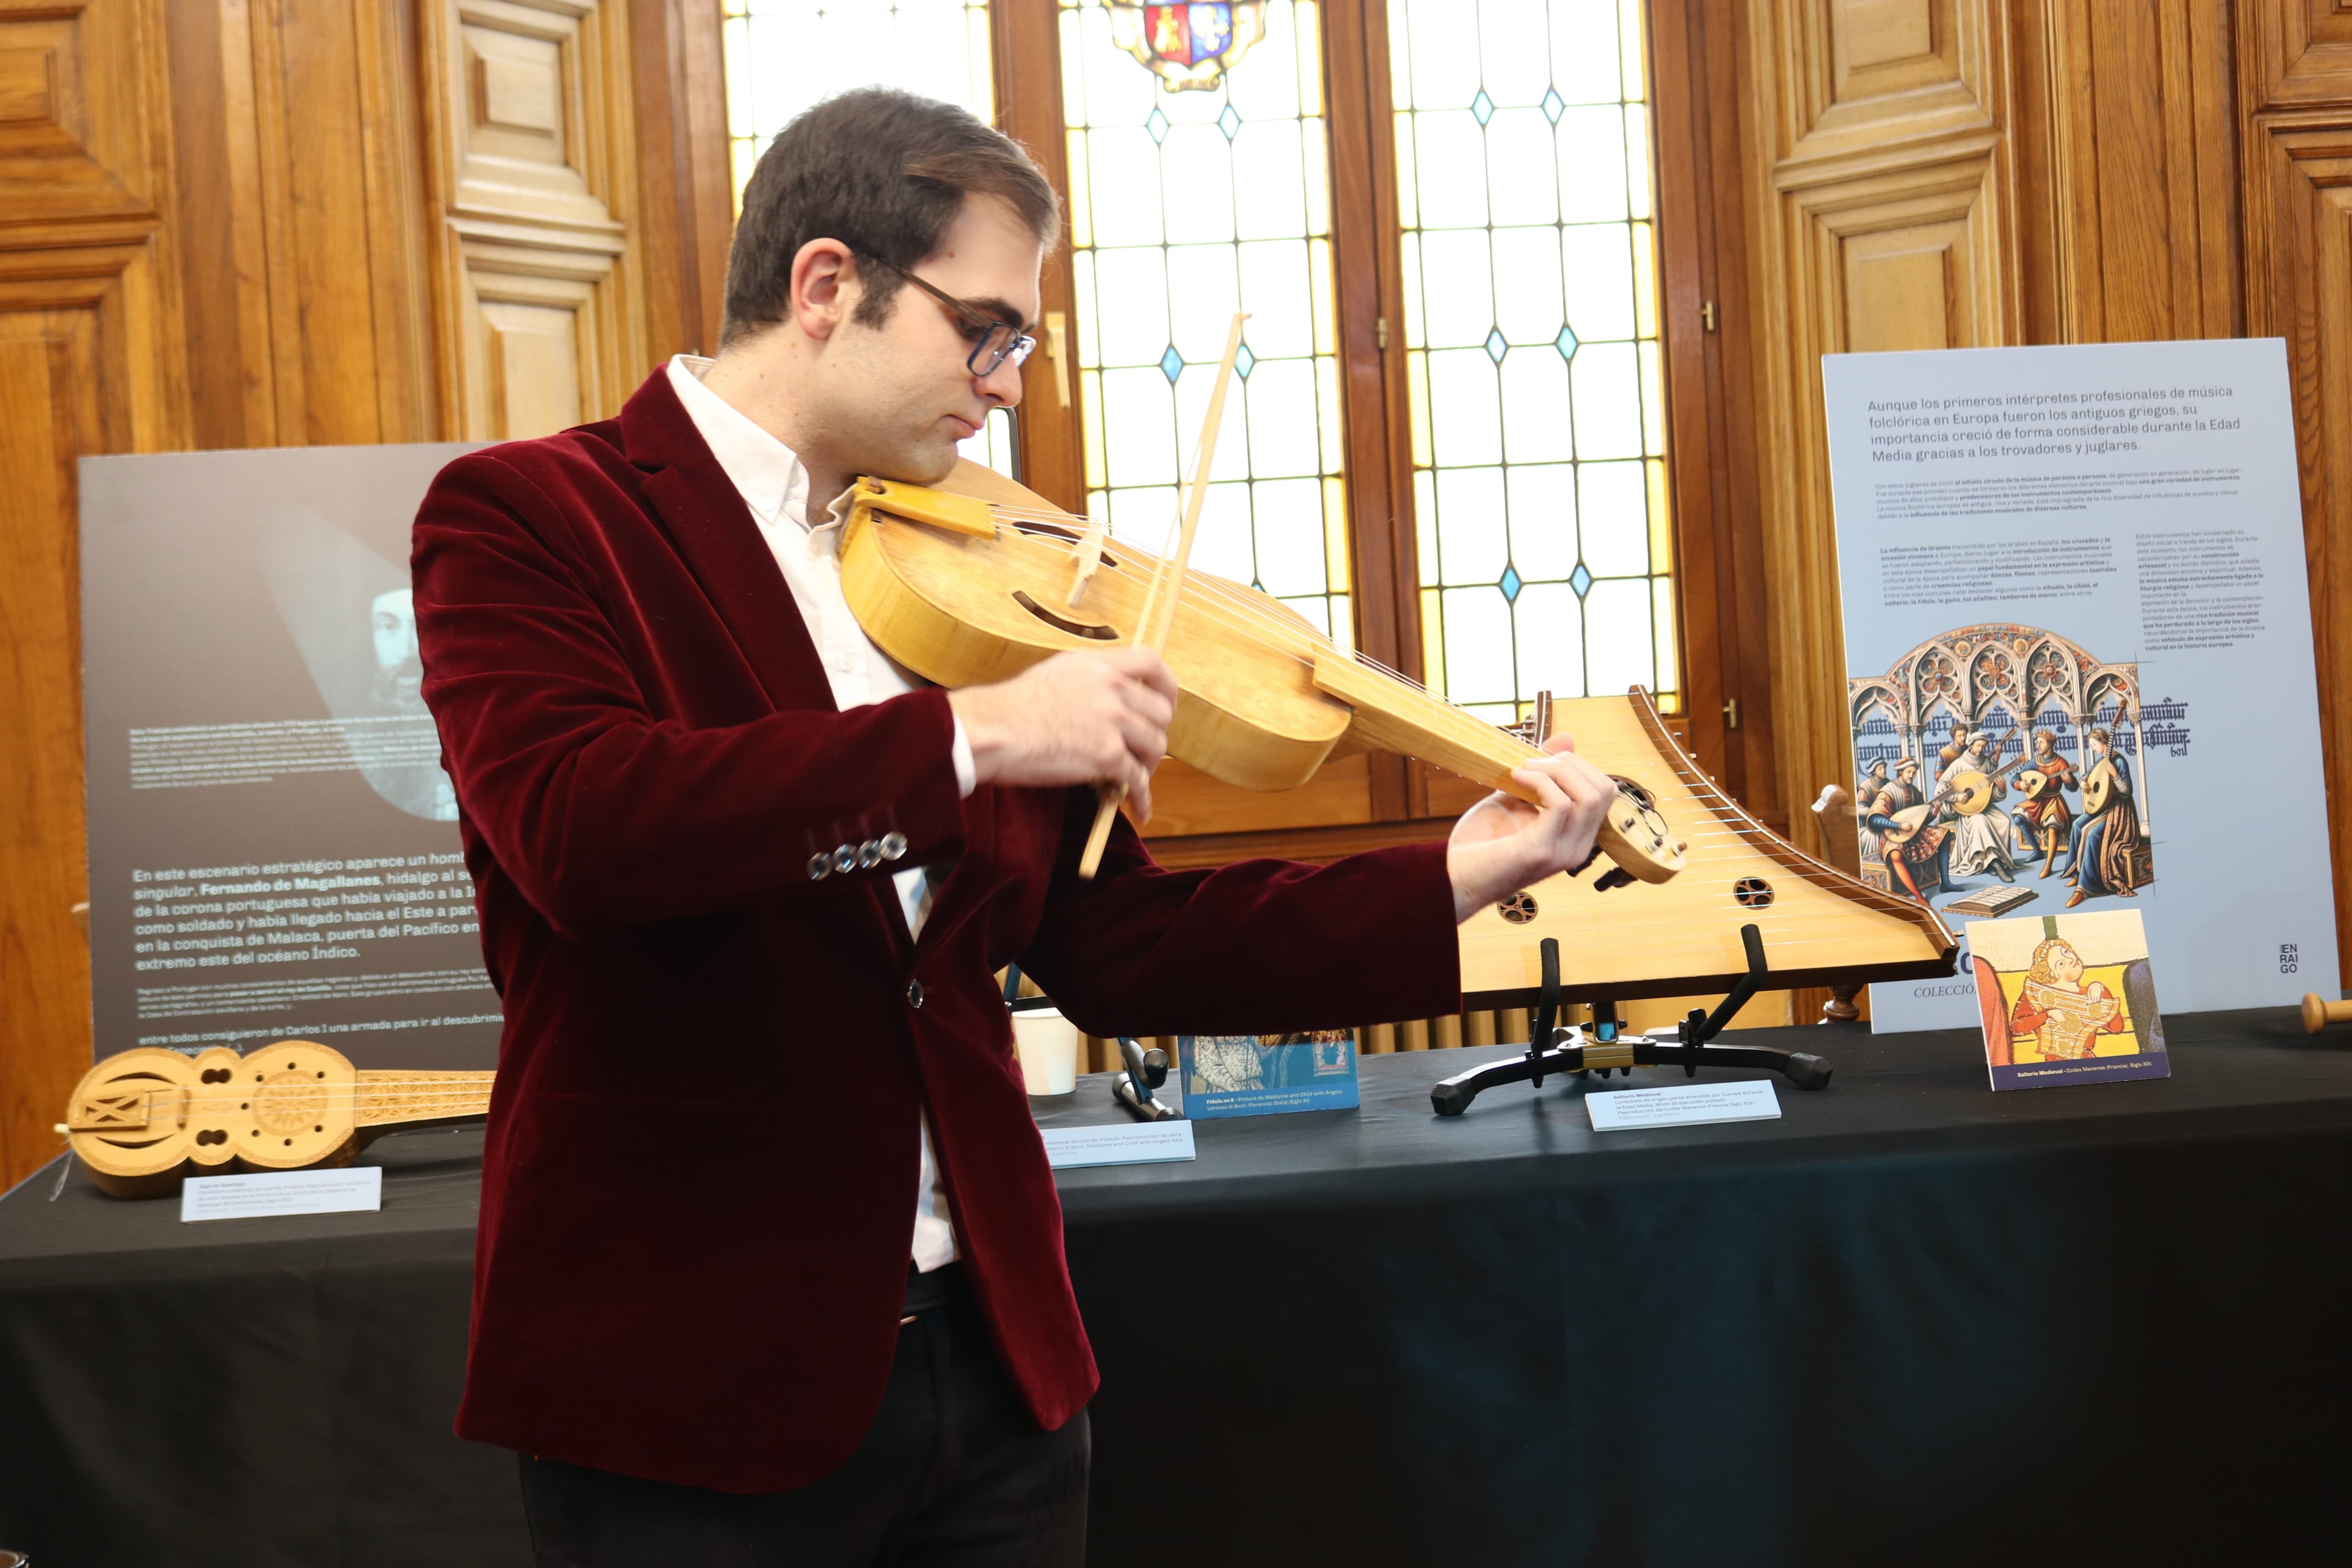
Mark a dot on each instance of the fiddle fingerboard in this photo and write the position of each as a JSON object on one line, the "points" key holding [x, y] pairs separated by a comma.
{"points": [[388, 1097]]}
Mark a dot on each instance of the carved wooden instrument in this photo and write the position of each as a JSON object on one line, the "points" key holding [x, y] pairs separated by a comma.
{"points": [[1819, 926], [143, 1120], [968, 588]]}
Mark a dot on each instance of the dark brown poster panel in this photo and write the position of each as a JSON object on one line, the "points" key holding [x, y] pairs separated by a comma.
{"points": [[273, 846]]}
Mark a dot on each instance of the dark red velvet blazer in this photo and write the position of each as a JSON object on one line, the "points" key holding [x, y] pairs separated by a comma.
{"points": [[700, 1177]]}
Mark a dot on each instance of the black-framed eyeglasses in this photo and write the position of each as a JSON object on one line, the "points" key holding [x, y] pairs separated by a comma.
{"points": [[992, 341]]}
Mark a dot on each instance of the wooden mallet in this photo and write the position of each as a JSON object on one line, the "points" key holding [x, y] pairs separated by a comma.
{"points": [[2318, 1013]]}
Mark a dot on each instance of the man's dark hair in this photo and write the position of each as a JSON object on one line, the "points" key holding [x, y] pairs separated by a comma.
{"points": [[883, 172]]}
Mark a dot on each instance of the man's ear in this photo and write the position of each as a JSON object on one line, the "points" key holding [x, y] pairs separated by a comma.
{"points": [[825, 287]]}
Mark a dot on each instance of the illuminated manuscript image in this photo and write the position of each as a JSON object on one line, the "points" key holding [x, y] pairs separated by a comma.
{"points": [[1999, 762], [2067, 999]]}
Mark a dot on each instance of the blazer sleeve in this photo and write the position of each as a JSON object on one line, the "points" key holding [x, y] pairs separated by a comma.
{"points": [[605, 815], [1251, 948]]}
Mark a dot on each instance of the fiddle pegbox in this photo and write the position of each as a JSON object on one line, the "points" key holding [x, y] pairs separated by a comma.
{"points": [[143, 1120]]}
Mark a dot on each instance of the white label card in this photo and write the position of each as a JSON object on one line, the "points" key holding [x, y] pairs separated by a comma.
{"points": [[1685, 1105], [356, 1188], [1131, 1143]]}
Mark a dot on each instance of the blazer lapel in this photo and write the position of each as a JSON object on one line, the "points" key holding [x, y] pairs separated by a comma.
{"points": [[722, 546]]}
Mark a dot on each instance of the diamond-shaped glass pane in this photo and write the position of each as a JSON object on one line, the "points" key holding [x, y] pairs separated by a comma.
{"points": [[1495, 347], [1171, 363], [1483, 107], [1511, 584], [1228, 123], [1581, 580], [1242, 361], [1565, 344], [1158, 126], [1552, 106]]}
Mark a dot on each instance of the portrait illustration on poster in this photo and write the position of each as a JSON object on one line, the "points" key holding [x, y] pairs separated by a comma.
{"points": [[2067, 999], [2077, 633]]}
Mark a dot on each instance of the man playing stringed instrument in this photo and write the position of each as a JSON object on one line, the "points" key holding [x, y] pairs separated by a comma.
{"points": [[769, 1265], [2043, 815], [1914, 856]]}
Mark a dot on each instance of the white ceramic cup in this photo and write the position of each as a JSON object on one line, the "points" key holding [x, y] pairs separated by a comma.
{"points": [[1048, 1044]]}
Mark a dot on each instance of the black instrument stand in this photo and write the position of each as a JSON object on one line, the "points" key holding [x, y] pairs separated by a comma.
{"points": [[1146, 1070], [1606, 1048]]}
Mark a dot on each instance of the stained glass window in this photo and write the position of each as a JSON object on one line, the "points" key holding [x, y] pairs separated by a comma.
{"points": [[783, 56], [1531, 335], [1184, 207]]}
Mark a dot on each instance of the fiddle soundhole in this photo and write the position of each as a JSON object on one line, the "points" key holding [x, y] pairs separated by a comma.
{"points": [[1063, 623]]}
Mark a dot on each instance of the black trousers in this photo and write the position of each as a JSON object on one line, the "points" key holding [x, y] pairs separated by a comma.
{"points": [[953, 1473]]}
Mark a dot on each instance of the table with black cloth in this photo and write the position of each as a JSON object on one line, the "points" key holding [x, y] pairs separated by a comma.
{"points": [[1910, 1320]]}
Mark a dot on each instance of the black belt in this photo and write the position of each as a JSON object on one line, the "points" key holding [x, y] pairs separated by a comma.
{"points": [[942, 1286]]}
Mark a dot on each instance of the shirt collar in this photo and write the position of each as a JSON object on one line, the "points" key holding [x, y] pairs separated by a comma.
{"points": [[773, 481]]}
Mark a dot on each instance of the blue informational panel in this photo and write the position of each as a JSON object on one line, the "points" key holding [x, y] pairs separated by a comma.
{"points": [[1263, 1075], [2078, 655], [273, 846]]}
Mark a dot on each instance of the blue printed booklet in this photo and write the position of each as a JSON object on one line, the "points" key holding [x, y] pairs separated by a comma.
{"points": [[1263, 1075]]}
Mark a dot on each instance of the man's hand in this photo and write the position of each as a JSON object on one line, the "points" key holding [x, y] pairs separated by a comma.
{"points": [[1503, 844], [1075, 718]]}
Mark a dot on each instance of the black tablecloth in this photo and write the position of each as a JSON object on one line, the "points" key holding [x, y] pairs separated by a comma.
{"points": [[1910, 1320]]}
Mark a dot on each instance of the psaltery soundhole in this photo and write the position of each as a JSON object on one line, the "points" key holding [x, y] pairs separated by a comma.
{"points": [[1518, 909], [1753, 892]]}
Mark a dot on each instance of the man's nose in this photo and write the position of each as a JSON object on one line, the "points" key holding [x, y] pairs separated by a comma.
{"points": [[1002, 385]]}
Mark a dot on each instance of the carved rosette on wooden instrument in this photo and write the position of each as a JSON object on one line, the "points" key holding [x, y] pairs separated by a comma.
{"points": [[143, 1120]]}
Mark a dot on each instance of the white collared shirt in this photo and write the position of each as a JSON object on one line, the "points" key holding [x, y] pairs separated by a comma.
{"points": [[774, 485]]}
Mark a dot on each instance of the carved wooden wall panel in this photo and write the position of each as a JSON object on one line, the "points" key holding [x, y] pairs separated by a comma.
{"points": [[88, 362], [534, 184], [1882, 215], [2295, 79], [2139, 192]]}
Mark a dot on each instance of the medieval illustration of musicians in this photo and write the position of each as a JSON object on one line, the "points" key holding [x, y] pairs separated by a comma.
{"points": [[2065, 1016], [1919, 863], [1982, 840], [2106, 845], [2043, 816]]}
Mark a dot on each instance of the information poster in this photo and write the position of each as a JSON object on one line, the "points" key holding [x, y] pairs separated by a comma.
{"points": [[2078, 653], [273, 846]]}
